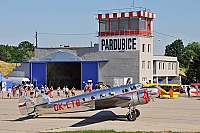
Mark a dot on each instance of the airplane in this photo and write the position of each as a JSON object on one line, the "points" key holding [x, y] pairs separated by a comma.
{"points": [[120, 96], [172, 93]]}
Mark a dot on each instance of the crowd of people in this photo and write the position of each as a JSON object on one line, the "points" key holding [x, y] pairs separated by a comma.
{"points": [[33, 92]]}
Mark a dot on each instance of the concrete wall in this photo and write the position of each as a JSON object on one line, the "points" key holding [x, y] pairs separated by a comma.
{"points": [[120, 65]]}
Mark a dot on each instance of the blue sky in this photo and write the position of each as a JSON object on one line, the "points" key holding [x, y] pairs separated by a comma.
{"points": [[19, 19]]}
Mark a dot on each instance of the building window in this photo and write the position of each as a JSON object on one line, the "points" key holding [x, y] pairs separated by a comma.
{"points": [[134, 23], [144, 79], [143, 47], [143, 64], [172, 66], [149, 64], [169, 66], [103, 25], [123, 24], [159, 65], [149, 48], [142, 24], [163, 66], [113, 24]]}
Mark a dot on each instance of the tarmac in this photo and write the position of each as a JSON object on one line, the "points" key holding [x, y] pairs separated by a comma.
{"points": [[179, 115]]}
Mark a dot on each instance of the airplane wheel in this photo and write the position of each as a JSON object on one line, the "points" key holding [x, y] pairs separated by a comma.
{"points": [[131, 116], [137, 113]]}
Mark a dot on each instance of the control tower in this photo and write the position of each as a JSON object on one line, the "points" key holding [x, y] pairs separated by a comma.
{"points": [[129, 30]]}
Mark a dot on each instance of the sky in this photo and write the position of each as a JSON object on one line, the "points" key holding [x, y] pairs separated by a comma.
{"points": [[72, 22]]}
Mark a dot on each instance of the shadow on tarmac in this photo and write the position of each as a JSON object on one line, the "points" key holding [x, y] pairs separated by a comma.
{"points": [[88, 120]]}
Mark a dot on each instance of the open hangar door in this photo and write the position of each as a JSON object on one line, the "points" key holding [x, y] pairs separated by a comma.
{"points": [[61, 74]]}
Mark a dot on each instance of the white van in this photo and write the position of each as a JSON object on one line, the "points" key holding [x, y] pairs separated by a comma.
{"points": [[20, 81]]}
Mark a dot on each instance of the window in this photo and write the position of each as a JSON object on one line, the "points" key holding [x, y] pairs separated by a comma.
{"points": [[144, 79], [149, 48], [103, 25], [143, 47], [143, 64], [172, 66], [134, 23], [163, 66], [142, 24], [113, 24], [112, 93], [159, 65], [169, 66], [123, 23], [149, 64], [93, 97], [102, 95]]}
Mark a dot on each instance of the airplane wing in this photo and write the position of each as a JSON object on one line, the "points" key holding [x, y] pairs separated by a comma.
{"points": [[109, 102]]}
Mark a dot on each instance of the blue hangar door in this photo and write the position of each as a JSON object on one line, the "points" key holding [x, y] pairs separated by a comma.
{"points": [[89, 73], [38, 73]]}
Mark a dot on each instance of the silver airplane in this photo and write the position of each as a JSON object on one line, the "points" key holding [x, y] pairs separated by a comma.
{"points": [[122, 96]]}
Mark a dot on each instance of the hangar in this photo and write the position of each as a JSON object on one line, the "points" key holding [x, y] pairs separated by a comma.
{"points": [[124, 50]]}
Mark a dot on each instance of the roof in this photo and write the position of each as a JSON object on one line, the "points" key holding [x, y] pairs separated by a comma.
{"points": [[126, 15]]}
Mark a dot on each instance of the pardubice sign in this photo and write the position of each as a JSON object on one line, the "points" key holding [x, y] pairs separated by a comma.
{"points": [[117, 44]]}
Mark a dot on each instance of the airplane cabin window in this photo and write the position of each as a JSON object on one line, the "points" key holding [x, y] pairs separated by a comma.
{"points": [[93, 97], [111, 93], [102, 95], [122, 91], [83, 99], [126, 90]]}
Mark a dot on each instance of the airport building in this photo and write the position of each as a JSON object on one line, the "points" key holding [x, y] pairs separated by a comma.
{"points": [[124, 50]]}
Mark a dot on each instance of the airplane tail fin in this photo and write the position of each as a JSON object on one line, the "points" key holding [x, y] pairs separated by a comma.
{"points": [[26, 105]]}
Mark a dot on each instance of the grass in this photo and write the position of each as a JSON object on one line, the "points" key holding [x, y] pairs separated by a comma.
{"points": [[113, 131], [6, 68]]}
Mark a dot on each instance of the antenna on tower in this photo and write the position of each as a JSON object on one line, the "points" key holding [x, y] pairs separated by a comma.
{"points": [[133, 4]]}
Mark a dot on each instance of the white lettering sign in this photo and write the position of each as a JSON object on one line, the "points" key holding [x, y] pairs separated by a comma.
{"points": [[118, 44]]}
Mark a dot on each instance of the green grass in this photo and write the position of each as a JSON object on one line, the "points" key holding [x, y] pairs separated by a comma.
{"points": [[113, 131]]}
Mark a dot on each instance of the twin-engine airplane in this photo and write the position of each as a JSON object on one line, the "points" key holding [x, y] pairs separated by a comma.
{"points": [[122, 96]]}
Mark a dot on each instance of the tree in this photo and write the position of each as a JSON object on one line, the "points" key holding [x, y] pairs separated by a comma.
{"points": [[176, 49], [194, 63], [26, 49]]}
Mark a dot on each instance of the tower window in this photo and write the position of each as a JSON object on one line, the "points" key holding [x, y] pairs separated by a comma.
{"points": [[143, 47], [143, 64], [149, 48]]}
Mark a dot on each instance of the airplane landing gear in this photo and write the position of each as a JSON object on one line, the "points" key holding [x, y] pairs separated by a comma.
{"points": [[133, 113], [35, 116]]}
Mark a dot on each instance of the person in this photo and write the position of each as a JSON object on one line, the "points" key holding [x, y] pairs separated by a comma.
{"points": [[86, 87], [73, 90], [58, 92], [188, 91], [67, 91], [90, 87], [14, 91], [9, 92], [51, 92], [36, 90], [64, 91], [128, 81]]}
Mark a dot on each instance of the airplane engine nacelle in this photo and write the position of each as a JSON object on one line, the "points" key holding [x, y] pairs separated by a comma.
{"points": [[140, 97]]}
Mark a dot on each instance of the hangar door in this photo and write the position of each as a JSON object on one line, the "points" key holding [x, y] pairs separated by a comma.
{"points": [[89, 73], [38, 73]]}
